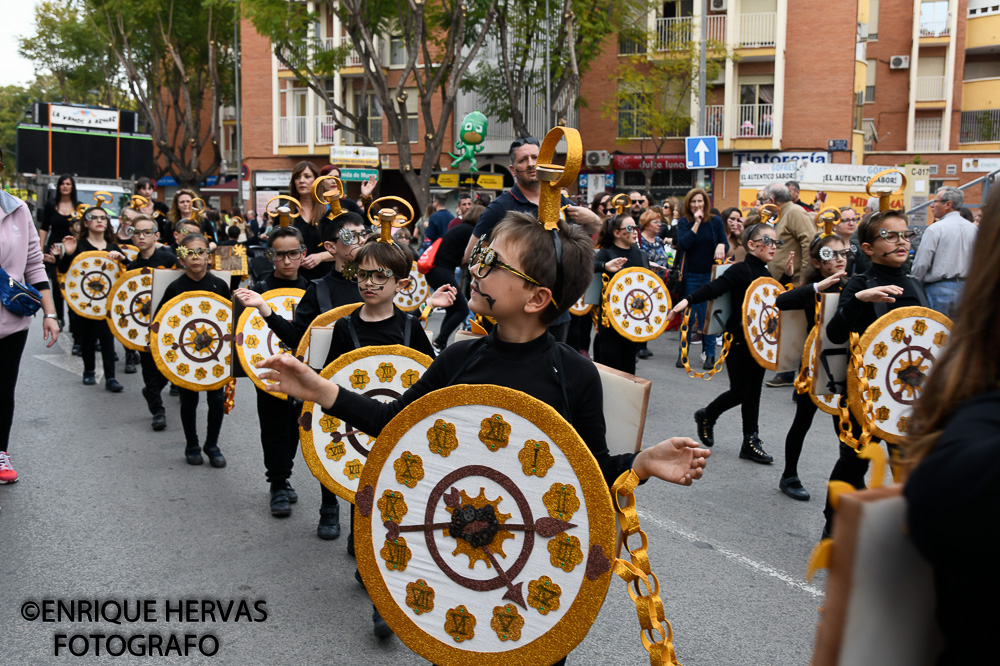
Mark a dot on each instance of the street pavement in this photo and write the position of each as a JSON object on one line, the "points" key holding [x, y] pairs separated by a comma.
{"points": [[107, 509]]}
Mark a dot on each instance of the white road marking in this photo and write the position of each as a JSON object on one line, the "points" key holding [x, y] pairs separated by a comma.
{"points": [[759, 567]]}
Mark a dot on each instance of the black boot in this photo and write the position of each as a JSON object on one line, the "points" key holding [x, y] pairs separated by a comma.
{"points": [[193, 455], [159, 421], [215, 457], [706, 428], [131, 360], [381, 629], [753, 449], [280, 506], [329, 522]]}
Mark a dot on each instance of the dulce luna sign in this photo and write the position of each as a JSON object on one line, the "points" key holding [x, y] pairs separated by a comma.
{"points": [[74, 116]]}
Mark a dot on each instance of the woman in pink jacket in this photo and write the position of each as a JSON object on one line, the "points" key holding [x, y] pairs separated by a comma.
{"points": [[21, 257]]}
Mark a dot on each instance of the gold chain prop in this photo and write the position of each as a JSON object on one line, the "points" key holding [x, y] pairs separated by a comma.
{"points": [[727, 340], [804, 381], [857, 365], [657, 634]]}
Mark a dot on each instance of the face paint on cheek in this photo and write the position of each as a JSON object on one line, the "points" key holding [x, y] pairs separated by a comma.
{"points": [[489, 299]]}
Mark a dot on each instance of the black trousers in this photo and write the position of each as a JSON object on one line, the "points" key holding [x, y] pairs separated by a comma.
{"points": [[153, 383], [850, 467], [279, 435], [11, 349], [805, 411], [189, 416], [579, 332], [455, 313], [615, 351], [89, 331], [746, 378]]}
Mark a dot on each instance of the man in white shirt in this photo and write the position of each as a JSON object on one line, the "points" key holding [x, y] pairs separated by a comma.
{"points": [[945, 252]]}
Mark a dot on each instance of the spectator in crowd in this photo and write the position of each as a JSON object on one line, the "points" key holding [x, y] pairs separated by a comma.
{"points": [[640, 202], [793, 191], [944, 256], [734, 222], [437, 222], [464, 204]]}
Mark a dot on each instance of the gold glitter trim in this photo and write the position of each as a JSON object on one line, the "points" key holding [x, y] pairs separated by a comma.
{"points": [[329, 450], [250, 320], [573, 626], [162, 357], [120, 323], [768, 361]]}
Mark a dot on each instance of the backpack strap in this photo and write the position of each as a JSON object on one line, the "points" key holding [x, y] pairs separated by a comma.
{"points": [[407, 327], [323, 295], [352, 331]]}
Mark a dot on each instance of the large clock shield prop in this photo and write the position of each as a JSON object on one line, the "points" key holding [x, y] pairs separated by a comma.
{"points": [[827, 402], [415, 293], [190, 339], [636, 303], [88, 283], [255, 341], [897, 353], [335, 450], [485, 530], [129, 312], [762, 321]]}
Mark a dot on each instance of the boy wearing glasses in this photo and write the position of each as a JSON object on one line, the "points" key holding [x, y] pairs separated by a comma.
{"points": [[145, 234], [341, 238]]}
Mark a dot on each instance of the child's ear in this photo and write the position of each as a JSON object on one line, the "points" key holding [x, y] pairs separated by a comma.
{"points": [[539, 300], [868, 249], [402, 283], [816, 264], [330, 247]]}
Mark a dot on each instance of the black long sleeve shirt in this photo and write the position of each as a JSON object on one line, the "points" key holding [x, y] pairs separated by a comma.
{"points": [[342, 292], [388, 331], [854, 316], [953, 499], [528, 367], [803, 298], [162, 257], [735, 282]]}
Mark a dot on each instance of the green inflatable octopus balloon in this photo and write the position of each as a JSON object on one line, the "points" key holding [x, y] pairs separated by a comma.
{"points": [[472, 133]]}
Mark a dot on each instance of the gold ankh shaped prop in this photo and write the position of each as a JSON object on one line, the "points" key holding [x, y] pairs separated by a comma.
{"points": [[621, 202], [884, 194], [137, 201], [769, 214], [828, 218], [195, 209], [330, 197], [386, 217], [283, 213], [554, 177]]}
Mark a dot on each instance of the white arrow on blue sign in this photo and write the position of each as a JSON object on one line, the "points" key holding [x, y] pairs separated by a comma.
{"points": [[701, 152]]}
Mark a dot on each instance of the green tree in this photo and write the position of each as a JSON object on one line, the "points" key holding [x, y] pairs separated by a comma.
{"points": [[73, 63], [518, 44], [440, 40], [652, 103], [177, 57]]}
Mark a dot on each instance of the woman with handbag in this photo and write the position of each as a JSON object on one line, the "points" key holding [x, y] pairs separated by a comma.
{"points": [[703, 241], [21, 261]]}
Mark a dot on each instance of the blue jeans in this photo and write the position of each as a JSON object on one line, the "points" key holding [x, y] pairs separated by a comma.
{"points": [[691, 283], [943, 296]]}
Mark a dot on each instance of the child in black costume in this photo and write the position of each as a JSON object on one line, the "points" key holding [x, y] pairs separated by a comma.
{"points": [[885, 240], [829, 256], [745, 374], [619, 249], [145, 234], [95, 234], [194, 255]]}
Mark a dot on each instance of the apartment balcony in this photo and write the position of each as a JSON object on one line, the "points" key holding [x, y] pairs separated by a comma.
{"points": [[927, 134], [353, 59], [715, 118], [980, 126], [935, 28], [930, 89], [292, 131], [982, 32], [325, 130], [757, 30], [675, 34], [752, 121]]}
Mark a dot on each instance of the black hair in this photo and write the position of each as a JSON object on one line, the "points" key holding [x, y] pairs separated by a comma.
{"points": [[72, 193], [233, 232], [517, 143], [869, 227], [606, 236], [812, 274], [330, 229], [192, 237], [753, 232], [143, 182], [284, 232], [393, 256]]}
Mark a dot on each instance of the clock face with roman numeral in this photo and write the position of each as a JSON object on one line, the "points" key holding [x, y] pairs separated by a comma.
{"points": [[415, 293], [255, 341], [484, 528], [88, 283], [637, 302]]}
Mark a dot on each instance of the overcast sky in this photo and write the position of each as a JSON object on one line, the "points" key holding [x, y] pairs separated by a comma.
{"points": [[18, 21]]}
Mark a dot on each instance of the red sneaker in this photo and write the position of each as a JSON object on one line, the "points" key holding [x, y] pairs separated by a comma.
{"points": [[7, 473]]}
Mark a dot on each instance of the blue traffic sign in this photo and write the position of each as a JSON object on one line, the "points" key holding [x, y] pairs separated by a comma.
{"points": [[701, 152]]}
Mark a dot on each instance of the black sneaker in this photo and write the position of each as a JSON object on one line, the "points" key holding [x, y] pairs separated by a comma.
{"points": [[174, 391], [89, 379], [77, 350], [792, 487], [193, 456], [781, 379], [131, 358], [645, 353], [159, 422], [293, 496], [329, 522], [709, 363], [280, 506], [753, 449], [113, 385], [706, 428], [380, 628], [215, 457]]}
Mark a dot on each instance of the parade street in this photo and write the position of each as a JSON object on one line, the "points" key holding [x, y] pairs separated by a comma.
{"points": [[106, 509]]}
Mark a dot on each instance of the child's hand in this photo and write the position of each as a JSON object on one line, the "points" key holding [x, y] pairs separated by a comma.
{"points": [[298, 380], [879, 294], [678, 460], [790, 264], [679, 308], [251, 299], [69, 244], [444, 296], [116, 256], [826, 283], [615, 265], [311, 260]]}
